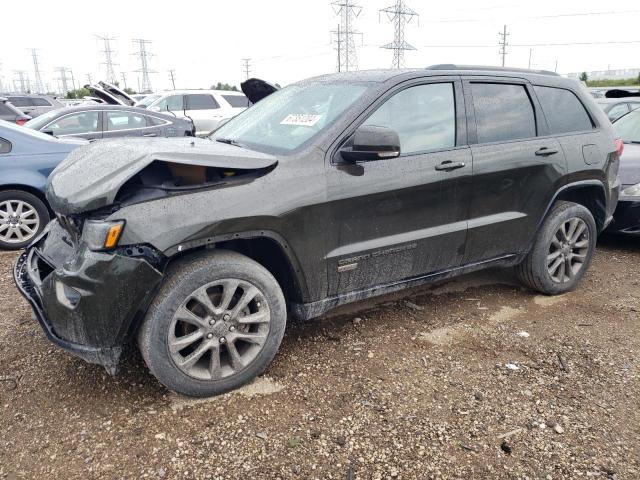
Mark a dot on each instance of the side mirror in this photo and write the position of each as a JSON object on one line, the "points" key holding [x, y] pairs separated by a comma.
{"points": [[372, 143]]}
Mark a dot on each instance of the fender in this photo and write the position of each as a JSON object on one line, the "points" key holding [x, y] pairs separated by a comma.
{"points": [[15, 177]]}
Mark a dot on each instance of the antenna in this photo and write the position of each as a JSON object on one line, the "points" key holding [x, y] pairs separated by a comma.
{"points": [[246, 67], [39, 87], [400, 14], [108, 58], [348, 11], [503, 43], [144, 56]]}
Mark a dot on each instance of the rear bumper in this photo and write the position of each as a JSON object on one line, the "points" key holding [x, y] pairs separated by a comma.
{"points": [[626, 219], [86, 302]]}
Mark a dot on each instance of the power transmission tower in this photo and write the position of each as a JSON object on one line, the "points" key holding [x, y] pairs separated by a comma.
{"points": [[400, 14], [503, 43], [144, 56], [246, 67], [172, 77], [348, 11], [89, 78], [109, 54], [62, 80], [39, 87], [124, 79], [73, 80], [21, 84]]}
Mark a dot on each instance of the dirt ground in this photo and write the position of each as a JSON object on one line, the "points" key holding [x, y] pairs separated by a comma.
{"points": [[475, 378]]}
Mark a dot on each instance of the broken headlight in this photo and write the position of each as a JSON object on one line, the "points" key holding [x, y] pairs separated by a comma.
{"points": [[632, 191], [100, 235]]}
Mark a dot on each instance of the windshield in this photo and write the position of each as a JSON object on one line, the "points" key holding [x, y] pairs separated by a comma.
{"points": [[148, 100], [628, 127], [289, 117], [40, 121]]}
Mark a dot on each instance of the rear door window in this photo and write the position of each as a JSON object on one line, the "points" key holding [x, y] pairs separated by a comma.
{"points": [[40, 102], [563, 110], [20, 101], [124, 121], [201, 101], [423, 116], [173, 103], [504, 112], [237, 101]]}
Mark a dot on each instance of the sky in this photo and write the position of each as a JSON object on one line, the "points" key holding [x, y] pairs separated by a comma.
{"points": [[288, 40]]}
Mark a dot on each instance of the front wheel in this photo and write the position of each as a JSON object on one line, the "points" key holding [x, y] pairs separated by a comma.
{"points": [[22, 217], [562, 250], [216, 323]]}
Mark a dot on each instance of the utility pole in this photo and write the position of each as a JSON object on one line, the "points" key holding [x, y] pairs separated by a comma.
{"points": [[89, 78], [530, 51], [172, 77], [348, 11], [39, 87], [246, 67], [124, 79], [109, 53], [400, 14], [144, 56], [503, 43], [62, 79]]}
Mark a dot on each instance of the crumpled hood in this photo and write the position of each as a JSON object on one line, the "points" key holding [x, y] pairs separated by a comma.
{"points": [[90, 177], [630, 165]]}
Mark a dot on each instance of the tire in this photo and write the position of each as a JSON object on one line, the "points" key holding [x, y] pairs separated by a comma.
{"points": [[551, 247], [32, 213], [179, 325]]}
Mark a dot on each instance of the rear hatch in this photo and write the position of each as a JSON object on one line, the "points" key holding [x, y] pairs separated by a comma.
{"points": [[110, 94]]}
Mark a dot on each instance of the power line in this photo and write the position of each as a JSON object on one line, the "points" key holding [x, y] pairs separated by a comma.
{"points": [[503, 43], [39, 87], [400, 14], [246, 67], [144, 56], [109, 53], [348, 11], [515, 45], [535, 17]]}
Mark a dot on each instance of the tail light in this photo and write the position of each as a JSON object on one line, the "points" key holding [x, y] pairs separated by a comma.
{"points": [[619, 146], [21, 121]]}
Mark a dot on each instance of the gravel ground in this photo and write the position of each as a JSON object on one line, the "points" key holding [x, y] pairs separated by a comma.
{"points": [[475, 378]]}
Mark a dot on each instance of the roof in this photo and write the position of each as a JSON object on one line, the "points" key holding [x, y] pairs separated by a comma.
{"points": [[437, 70]]}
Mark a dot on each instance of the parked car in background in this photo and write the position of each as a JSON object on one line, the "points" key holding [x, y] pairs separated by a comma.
{"points": [[207, 108], [11, 114], [97, 121], [626, 219], [617, 107], [325, 192], [27, 158], [139, 96], [34, 105]]}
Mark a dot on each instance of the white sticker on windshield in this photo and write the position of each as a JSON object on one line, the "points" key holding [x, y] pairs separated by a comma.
{"points": [[301, 119]]}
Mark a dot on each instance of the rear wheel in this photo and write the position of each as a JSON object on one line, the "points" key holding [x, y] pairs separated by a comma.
{"points": [[562, 251], [22, 218], [216, 323]]}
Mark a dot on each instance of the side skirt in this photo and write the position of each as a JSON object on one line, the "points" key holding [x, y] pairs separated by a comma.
{"points": [[308, 311]]}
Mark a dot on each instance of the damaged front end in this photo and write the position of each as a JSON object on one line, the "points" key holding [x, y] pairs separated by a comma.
{"points": [[87, 286]]}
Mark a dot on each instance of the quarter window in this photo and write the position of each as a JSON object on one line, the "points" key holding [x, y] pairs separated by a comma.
{"points": [[124, 121], [85, 122], [201, 101], [564, 112], [617, 111], [40, 102], [503, 112], [5, 146], [237, 101], [423, 116]]}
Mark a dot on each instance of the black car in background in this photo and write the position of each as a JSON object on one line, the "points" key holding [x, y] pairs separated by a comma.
{"points": [[11, 114], [328, 191], [627, 215], [97, 121]]}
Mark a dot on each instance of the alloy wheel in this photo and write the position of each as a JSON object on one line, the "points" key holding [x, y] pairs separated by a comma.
{"points": [[19, 221], [219, 329], [568, 250]]}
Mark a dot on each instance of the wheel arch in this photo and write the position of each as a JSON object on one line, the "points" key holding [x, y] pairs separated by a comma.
{"points": [[267, 248], [589, 194]]}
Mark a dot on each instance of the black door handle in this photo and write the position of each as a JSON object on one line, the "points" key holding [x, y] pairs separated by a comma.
{"points": [[545, 152], [448, 165]]}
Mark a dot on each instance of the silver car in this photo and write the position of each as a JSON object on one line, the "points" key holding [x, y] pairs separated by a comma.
{"points": [[34, 105]]}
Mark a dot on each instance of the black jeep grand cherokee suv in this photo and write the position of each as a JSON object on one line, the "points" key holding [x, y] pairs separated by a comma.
{"points": [[328, 191]]}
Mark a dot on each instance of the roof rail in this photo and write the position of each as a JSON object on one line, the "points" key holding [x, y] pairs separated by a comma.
{"points": [[451, 66]]}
